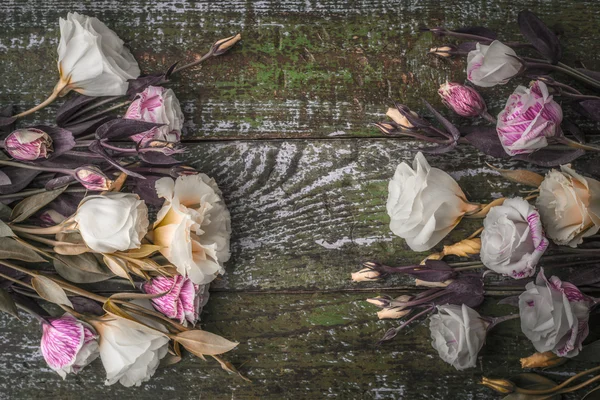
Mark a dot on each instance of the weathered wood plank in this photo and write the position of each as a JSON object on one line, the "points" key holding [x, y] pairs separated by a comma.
{"points": [[292, 347], [305, 214], [304, 68]]}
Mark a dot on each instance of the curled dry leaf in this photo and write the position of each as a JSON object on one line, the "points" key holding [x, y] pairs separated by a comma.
{"points": [[201, 343], [50, 290], [522, 176]]}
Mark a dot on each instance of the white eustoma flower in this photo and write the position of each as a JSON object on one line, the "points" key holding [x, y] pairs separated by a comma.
{"points": [[424, 204], [130, 352], [458, 333], [193, 227], [554, 315], [569, 205], [112, 222], [160, 106], [68, 345], [92, 59], [513, 241], [492, 65]]}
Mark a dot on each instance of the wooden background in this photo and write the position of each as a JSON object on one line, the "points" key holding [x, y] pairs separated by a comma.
{"points": [[283, 123]]}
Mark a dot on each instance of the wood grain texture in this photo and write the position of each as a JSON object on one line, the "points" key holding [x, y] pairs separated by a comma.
{"points": [[292, 347], [304, 68]]}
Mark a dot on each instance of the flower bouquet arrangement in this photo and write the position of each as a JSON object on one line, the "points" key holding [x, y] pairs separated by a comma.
{"points": [[531, 126], [554, 224], [78, 249]]}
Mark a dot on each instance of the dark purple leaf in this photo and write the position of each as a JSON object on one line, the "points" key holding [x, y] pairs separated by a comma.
{"points": [[84, 305], [415, 121], [121, 128], [146, 189], [466, 289], [83, 128], [19, 177], [4, 179], [592, 74], [62, 139], [540, 36], [140, 84], [485, 139], [72, 106], [432, 271], [450, 128], [97, 148], [30, 303], [466, 47], [574, 130], [478, 31], [550, 158], [67, 203], [589, 109], [585, 275], [157, 158]]}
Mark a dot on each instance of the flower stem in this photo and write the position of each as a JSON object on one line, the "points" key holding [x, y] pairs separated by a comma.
{"points": [[57, 89], [50, 230], [577, 145], [488, 117], [497, 320], [36, 168], [562, 385]]}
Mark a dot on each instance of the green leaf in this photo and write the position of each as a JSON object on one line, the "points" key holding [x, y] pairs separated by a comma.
{"points": [[50, 291], [7, 304], [30, 205], [201, 343], [11, 249], [82, 268], [5, 230]]}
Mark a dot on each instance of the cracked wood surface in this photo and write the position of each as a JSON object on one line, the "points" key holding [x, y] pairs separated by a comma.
{"points": [[284, 116]]}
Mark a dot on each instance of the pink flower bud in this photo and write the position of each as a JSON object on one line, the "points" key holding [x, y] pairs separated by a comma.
{"points": [[528, 119], [68, 344], [463, 100], [92, 178], [182, 303], [51, 218], [158, 105], [28, 144]]}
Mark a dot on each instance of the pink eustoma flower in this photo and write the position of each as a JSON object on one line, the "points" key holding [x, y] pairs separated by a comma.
{"points": [[158, 105], [28, 144], [68, 344], [184, 300], [528, 119]]}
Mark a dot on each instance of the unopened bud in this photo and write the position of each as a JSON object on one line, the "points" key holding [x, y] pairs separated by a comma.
{"points": [[379, 301], [28, 144], [400, 119], [392, 313], [542, 360], [419, 282], [161, 146], [365, 274], [445, 51], [499, 385], [464, 248], [92, 178], [222, 46], [463, 100]]}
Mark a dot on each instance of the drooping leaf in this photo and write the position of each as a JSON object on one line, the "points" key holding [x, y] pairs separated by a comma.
{"points": [[75, 103], [7, 304], [200, 342], [122, 128], [540, 36], [550, 158], [50, 290], [484, 139], [82, 268], [11, 249], [30, 205], [19, 178]]}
